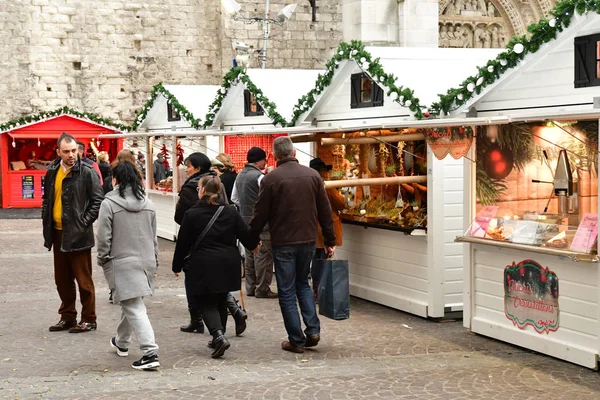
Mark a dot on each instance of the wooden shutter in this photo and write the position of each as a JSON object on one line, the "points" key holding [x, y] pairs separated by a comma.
{"points": [[378, 95], [247, 103], [583, 71], [355, 81]]}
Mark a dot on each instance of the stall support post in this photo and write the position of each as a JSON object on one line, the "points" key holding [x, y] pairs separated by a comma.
{"points": [[174, 166], [149, 157], [435, 235], [469, 214], [598, 250]]}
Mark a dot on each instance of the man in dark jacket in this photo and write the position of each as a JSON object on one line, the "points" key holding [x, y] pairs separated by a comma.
{"points": [[72, 198], [160, 172], [259, 267], [293, 201]]}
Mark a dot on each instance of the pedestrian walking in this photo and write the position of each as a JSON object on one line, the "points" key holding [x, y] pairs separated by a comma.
{"points": [[85, 159], [259, 267], [294, 203], [208, 233], [105, 171], [128, 254], [198, 166], [141, 163], [337, 202], [228, 174], [72, 198]]}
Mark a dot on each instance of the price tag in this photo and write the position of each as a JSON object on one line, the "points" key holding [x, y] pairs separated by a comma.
{"points": [[482, 221], [586, 234]]}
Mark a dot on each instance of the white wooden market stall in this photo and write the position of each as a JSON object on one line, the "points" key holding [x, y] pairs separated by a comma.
{"points": [[173, 111], [532, 276], [413, 271], [257, 100]]}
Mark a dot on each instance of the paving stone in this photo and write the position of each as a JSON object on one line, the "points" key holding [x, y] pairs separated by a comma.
{"points": [[370, 356]]}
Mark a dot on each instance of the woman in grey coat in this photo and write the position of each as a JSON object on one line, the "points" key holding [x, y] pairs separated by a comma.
{"points": [[128, 254]]}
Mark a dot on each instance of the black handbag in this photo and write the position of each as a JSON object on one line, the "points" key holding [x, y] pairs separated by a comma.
{"points": [[187, 260]]}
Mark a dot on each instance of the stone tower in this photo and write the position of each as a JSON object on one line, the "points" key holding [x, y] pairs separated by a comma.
{"points": [[104, 57]]}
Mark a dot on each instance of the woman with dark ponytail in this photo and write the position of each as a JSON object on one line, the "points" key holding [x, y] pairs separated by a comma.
{"points": [[128, 254], [214, 268]]}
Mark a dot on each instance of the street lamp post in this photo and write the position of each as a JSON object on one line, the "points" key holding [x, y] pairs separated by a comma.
{"points": [[233, 8]]}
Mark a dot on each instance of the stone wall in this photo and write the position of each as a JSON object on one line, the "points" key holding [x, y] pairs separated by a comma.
{"points": [[105, 56]]}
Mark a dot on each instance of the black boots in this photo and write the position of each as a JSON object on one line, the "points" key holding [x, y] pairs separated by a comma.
{"points": [[239, 315], [196, 324], [219, 344]]}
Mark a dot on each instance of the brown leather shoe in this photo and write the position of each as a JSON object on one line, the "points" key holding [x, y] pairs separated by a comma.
{"points": [[62, 326], [268, 295], [83, 327], [312, 340], [287, 346]]}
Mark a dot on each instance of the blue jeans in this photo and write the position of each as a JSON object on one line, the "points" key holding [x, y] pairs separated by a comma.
{"points": [[292, 266]]}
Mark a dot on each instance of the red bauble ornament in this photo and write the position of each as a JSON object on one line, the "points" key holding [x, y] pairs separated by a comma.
{"points": [[426, 115], [543, 277], [497, 162], [522, 271]]}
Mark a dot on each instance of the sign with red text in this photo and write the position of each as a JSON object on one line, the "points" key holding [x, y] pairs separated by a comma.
{"points": [[531, 296], [455, 141]]}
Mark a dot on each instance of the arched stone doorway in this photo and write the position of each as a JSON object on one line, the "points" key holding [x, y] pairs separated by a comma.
{"points": [[487, 23]]}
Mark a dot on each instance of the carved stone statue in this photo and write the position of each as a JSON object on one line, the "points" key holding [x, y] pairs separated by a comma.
{"points": [[491, 10], [478, 37], [459, 6], [495, 37], [487, 39], [443, 38], [450, 10], [466, 36], [482, 7], [468, 6]]}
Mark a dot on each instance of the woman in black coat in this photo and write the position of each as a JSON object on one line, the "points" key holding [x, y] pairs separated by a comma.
{"points": [[215, 265]]}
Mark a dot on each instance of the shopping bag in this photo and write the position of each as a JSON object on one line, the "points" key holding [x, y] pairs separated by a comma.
{"points": [[334, 290]]}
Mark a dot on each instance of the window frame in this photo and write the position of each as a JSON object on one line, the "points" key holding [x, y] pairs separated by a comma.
{"points": [[249, 101], [357, 91], [172, 113], [587, 61]]}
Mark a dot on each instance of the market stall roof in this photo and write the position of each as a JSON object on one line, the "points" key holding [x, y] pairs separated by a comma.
{"points": [[429, 71], [424, 71], [541, 83], [47, 123], [191, 101], [276, 90], [284, 86]]}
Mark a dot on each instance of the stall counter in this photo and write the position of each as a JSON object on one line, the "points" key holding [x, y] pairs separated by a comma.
{"points": [[500, 301], [165, 203]]}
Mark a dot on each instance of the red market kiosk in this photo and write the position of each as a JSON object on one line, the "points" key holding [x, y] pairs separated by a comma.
{"points": [[25, 152]]}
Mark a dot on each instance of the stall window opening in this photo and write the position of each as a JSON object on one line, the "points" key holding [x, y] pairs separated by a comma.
{"points": [[587, 61], [172, 113], [364, 92], [251, 106]]}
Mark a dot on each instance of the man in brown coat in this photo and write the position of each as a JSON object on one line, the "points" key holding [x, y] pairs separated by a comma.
{"points": [[293, 201]]}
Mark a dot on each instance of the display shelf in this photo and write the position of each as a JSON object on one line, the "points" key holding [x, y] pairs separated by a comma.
{"points": [[383, 225], [572, 255]]}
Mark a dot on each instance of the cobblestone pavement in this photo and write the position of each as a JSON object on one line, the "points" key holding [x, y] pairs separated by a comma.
{"points": [[379, 353]]}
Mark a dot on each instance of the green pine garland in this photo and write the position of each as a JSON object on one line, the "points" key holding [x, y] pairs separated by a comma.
{"points": [[160, 89], [16, 123], [233, 77], [518, 47], [355, 50]]}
